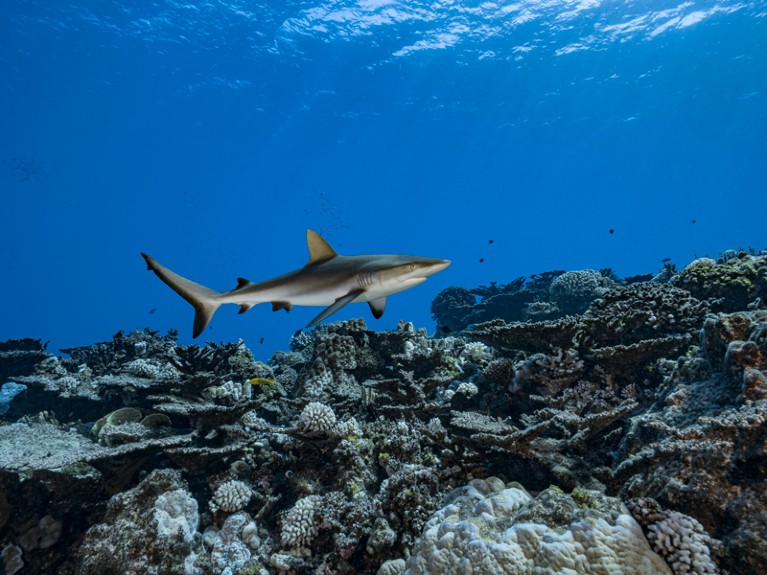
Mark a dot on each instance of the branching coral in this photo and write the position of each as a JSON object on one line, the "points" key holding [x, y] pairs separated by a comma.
{"points": [[231, 496], [317, 418], [300, 524]]}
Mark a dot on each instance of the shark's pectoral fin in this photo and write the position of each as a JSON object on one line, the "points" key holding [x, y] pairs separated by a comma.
{"points": [[338, 304], [377, 306], [278, 305]]}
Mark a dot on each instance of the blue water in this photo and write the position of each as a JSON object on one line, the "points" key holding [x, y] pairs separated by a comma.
{"points": [[212, 135]]}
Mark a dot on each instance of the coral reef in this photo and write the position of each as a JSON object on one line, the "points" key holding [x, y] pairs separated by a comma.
{"points": [[358, 451], [678, 538], [732, 282]]}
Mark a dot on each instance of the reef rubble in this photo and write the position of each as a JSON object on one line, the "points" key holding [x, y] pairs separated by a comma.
{"points": [[572, 410]]}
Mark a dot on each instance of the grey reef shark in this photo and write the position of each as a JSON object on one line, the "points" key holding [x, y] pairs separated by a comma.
{"points": [[328, 279]]}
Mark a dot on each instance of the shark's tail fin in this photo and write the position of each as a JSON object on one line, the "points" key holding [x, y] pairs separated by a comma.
{"points": [[199, 296]]}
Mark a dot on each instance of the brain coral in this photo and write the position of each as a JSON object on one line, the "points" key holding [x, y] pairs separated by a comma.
{"points": [[574, 291], [492, 529]]}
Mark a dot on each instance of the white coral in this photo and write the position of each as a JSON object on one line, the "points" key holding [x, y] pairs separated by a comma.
{"points": [[299, 525], [317, 384], [683, 542], [478, 533], [467, 389], [231, 496], [149, 369], [475, 352], [176, 515], [317, 418]]}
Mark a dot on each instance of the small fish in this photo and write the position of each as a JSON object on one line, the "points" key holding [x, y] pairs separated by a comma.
{"points": [[612, 231], [664, 260], [151, 311], [261, 340], [445, 329], [695, 221], [481, 260], [490, 241], [260, 381]]}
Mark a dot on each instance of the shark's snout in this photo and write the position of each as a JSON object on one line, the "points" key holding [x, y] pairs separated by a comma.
{"points": [[441, 265], [433, 266]]}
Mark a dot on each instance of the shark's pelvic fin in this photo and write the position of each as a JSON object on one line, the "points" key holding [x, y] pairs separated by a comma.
{"points": [[197, 295], [319, 250], [377, 307], [336, 305]]}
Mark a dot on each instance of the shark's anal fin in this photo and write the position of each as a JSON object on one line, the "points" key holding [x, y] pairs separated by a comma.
{"points": [[319, 250], [377, 306], [278, 305], [338, 304]]}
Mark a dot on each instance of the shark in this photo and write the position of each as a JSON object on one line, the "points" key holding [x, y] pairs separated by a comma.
{"points": [[328, 279]]}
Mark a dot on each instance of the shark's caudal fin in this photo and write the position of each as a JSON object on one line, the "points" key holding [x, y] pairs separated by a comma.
{"points": [[197, 295]]}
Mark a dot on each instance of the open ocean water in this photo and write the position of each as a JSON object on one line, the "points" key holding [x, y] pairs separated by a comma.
{"points": [[511, 138]]}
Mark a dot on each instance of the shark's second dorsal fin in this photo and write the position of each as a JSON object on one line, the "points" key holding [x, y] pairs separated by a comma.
{"points": [[319, 250]]}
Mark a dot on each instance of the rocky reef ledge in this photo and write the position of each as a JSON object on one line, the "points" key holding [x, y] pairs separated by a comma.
{"points": [[625, 436]]}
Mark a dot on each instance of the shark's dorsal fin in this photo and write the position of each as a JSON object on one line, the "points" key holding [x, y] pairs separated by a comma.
{"points": [[319, 250]]}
